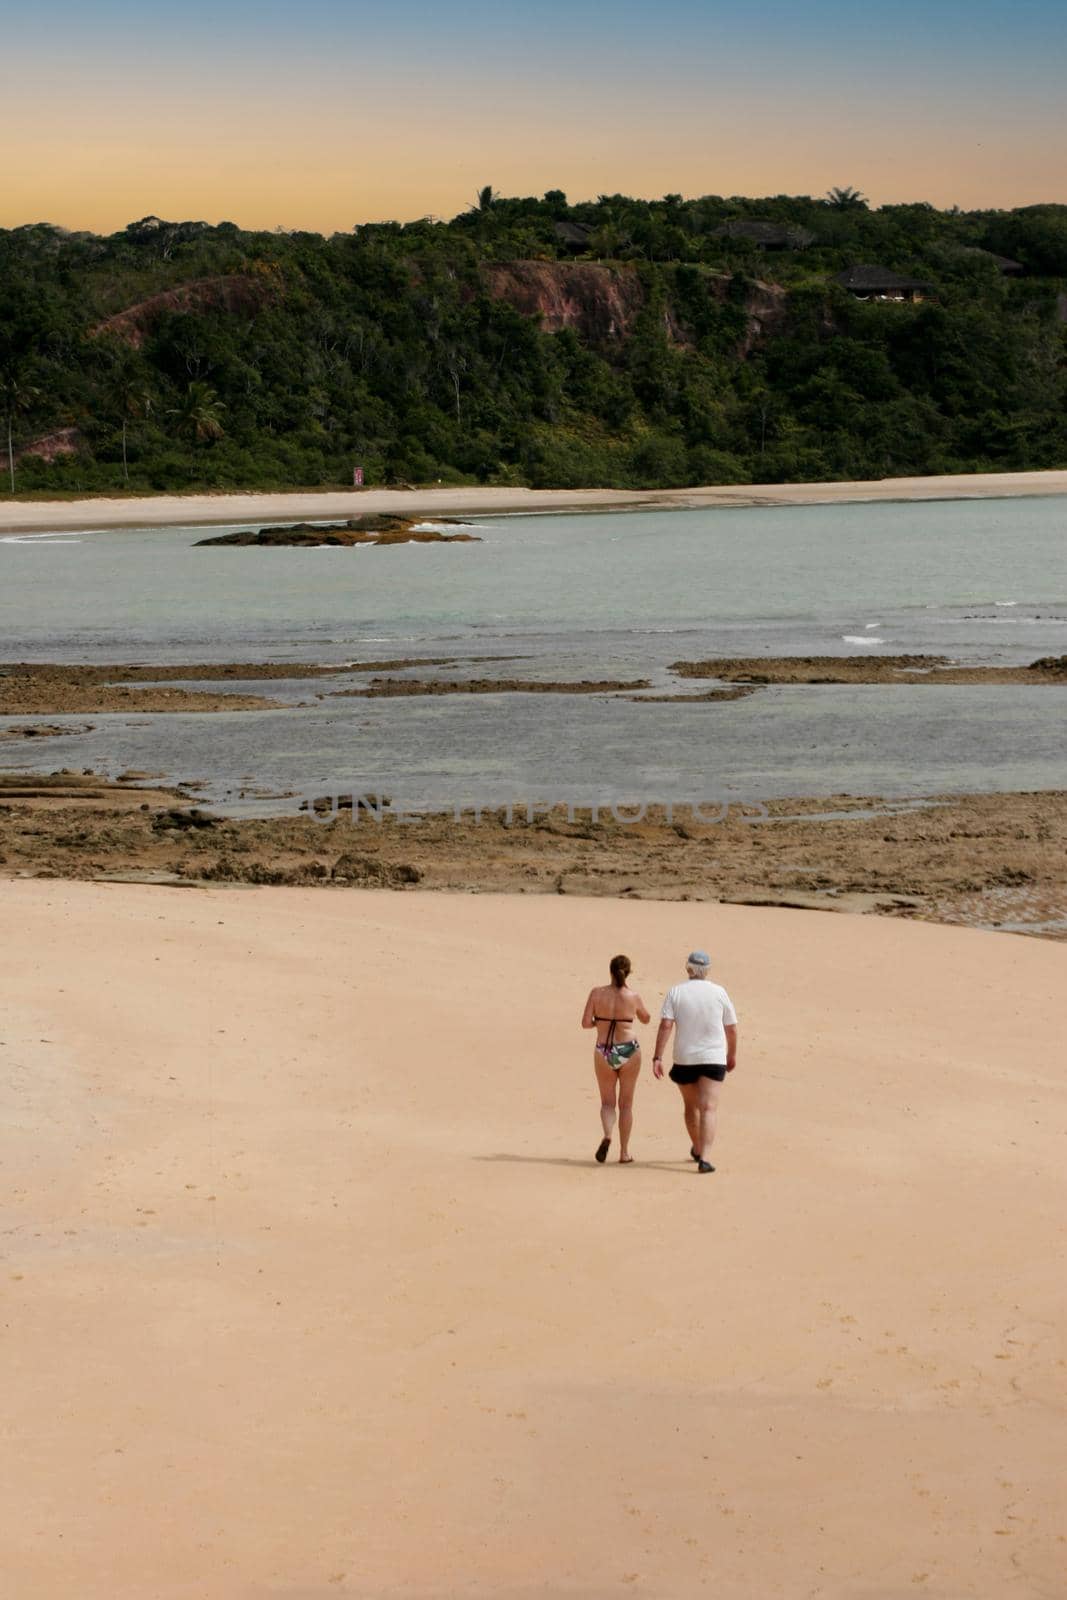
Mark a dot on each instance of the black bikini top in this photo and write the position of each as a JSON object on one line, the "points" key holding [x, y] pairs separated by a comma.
{"points": [[609, 1037]]}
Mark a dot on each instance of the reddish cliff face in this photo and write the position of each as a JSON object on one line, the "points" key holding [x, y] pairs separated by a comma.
{"points": [[766, 306], [64, 442], [600, 303], [238, 293]]}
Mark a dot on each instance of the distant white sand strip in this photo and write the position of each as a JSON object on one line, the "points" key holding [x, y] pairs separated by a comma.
{"points": [[195, 509]]}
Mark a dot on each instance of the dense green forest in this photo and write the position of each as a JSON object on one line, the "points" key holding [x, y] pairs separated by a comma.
{"points": [[622, 342]]}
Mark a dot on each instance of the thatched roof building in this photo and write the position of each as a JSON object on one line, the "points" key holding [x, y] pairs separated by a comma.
{"points": [[573, 236], [878, 283], [1003, 264], [765, 234]]}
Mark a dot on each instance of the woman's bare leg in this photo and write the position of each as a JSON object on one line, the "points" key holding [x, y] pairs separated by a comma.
{"points": [[607, 1084], [627, 1076]]}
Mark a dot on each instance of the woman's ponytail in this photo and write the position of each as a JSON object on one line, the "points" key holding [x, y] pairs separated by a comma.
{"points": [[620, 970]]}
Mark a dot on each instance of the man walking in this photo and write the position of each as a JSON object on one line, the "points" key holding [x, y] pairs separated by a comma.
{"points": [[705, 1050]]}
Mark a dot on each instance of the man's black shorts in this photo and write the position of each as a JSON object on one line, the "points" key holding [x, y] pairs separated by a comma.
{"points": [[691, 1074]]}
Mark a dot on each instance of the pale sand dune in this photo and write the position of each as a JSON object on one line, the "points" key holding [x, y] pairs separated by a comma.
{"points": [[307, 1296], [29, 516]]}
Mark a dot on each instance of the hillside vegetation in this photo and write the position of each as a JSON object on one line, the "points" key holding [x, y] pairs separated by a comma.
{"points": [[620, 342]]}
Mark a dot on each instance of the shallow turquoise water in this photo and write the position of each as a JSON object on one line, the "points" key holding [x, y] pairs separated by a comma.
{"points": [[619, 595]]}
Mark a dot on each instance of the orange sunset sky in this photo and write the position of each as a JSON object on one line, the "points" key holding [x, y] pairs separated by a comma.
{"points": [[332, 113]]}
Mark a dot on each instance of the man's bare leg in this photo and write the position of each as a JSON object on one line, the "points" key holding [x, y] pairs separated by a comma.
{"points": [[692, 1115], [707, 1116], [691, 1112]]}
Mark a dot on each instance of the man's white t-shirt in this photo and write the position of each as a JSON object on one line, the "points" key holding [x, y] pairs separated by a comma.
{"points": [[700, 1011]]}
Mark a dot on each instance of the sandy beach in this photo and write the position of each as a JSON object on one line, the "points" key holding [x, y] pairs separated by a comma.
{"points": [[304, 1301], [36, 516]]}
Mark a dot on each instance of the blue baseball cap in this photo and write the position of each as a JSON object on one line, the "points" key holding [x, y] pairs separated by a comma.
{"points": [[698, 958]]}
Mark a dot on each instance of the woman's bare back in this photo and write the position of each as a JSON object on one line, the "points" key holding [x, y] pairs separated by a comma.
{"points": [[623, 1007]]}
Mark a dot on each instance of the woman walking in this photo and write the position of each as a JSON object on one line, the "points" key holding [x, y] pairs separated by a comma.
{"points": [[612, 1010]]}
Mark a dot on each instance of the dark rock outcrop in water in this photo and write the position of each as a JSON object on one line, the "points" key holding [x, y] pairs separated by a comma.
{"points": [[356, 530]]}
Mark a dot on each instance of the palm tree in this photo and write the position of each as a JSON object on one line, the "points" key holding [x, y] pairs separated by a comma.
{"points": [[846, 199], [17, 395], [486, 199], [127, 398], [199, 413]]}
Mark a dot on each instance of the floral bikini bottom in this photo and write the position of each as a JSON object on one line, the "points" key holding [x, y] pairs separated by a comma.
{"points": [[617, 1055]]}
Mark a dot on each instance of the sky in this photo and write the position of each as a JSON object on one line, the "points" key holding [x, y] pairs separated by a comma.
{"points": [[322, 114]]}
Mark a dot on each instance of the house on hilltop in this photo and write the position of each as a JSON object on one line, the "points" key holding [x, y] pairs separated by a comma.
{"points": [[764, 234], [574, 237], [1004, 264], [878, 283]]}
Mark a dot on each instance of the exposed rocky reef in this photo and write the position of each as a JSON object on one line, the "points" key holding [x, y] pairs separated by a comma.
{"points": [[35, 689], [356, 530], [868, 669], [997, 860], [379, 688], [41, 730], [735, 692]]}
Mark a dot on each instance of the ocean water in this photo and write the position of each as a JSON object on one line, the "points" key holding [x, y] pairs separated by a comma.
{"points": [[573, 596]]}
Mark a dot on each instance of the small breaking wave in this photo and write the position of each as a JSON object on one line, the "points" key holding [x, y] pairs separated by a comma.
{"points": [[441, 527], [861, 638], [41, 538]]}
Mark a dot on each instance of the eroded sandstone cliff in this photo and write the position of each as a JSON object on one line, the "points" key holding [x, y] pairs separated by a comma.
{"points": [[602, 302], [239, 293]]}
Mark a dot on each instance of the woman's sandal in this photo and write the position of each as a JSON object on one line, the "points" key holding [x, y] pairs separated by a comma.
{"points": [[602, 1150]]}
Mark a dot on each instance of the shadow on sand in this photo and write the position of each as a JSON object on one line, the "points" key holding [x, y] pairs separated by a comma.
{"points": [[577, 1161], [545, 1592]]}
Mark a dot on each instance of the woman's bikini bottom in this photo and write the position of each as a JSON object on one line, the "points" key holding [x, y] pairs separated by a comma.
{"points": [[617, 1055]]}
